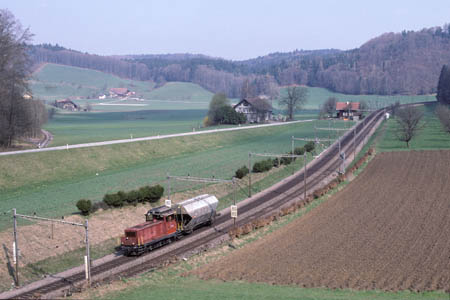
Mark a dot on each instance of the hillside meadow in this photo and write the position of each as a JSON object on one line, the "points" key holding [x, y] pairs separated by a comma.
{"points": [[52, 82]]}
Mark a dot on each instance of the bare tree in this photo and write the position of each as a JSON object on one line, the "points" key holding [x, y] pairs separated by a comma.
{"points": [[328, 107], [443, 114], [294, 100], [408, 123], [20, 116]]}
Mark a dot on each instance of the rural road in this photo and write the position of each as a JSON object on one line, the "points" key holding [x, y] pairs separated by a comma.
{"points": [[48, 138], [150, 138]]}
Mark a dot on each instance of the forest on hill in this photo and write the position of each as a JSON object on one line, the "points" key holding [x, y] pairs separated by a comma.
{"points": [[393, 63]]}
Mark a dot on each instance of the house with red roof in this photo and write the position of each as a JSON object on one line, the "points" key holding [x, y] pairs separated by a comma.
{"points": [[120, 92], [348, 110]]}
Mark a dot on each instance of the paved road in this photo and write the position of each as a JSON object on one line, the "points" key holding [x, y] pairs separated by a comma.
{"points": [[150, 138]]}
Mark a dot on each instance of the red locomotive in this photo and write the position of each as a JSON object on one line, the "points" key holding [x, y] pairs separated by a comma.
{"points": [[164, 225]]}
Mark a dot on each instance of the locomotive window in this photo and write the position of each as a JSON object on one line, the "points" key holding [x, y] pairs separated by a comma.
{"points": [[131, 234]]}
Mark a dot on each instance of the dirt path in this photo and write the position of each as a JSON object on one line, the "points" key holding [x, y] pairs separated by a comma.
{"points": [[389, 229], [48, 137]]}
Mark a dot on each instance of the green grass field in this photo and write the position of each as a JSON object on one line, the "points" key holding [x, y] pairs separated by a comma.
{"points": [[431, 137], [82, 127], [317, 96], [85, 127], [192, 288], [49, 183]]}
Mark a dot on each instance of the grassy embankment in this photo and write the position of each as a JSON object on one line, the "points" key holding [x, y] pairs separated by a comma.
{"points": [[49, 183]]}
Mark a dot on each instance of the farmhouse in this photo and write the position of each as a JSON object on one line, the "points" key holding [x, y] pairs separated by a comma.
{"points": [[256, 110], [348, 110], [66, 104], [120, 92]]}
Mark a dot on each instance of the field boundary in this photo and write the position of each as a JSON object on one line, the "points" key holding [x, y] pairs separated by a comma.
{"points": [[150, 138]]}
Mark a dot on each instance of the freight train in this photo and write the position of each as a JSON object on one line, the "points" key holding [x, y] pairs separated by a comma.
{"points": [[165, 224]]}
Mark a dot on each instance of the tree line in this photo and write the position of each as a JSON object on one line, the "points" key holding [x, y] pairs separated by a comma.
{"points": [[20, 116], [393, 63]]}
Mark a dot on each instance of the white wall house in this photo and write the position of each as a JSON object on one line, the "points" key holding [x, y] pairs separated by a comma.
{"points": [[256, 110]]}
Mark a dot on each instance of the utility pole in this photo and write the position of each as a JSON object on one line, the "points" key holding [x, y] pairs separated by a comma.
{"points": [[341, 155], [354, 143], [249, 174], [168, 186], [304, 176], [88, 254], [234, 199], [292, 145], [85, 225], [16, 248]]}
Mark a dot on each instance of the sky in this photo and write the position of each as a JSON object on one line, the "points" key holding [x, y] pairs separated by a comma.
{"points": [[231, 29]]}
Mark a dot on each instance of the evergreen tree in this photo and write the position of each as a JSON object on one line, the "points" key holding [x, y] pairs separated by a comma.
{"points": [[443, 89]]}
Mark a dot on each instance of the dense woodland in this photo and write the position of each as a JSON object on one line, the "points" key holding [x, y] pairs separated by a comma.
{"points": [[393, 63]]}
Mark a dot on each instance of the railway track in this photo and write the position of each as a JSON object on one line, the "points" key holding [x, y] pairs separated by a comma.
{"points": [[288, 191]]}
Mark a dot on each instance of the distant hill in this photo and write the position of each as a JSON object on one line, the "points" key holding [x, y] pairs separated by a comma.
{"points": [[394, 63], [53, 81]]}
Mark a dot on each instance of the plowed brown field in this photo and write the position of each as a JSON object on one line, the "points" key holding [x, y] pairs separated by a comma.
{"points": [[389, 229]]}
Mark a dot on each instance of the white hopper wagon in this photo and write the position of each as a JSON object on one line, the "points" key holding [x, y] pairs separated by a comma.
{"points": [[196, 211]]}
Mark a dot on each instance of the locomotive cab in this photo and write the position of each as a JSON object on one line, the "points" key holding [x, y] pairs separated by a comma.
{"points": [[159, 214], [159, 229]]}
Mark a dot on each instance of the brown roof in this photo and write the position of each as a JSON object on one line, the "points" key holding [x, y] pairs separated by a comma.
{"points": [[119, 91], [257, 103], [347, 105]]}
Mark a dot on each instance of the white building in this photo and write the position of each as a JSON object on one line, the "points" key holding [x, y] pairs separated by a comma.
{"points": [[256, 110]]}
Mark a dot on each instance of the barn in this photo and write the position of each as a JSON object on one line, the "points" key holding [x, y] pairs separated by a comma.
{"points": [[348, 110], [66, 104]]}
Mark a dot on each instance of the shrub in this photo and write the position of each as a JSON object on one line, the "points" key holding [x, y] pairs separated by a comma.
{"points": [[262, 166], [310, 146], [241, 172], [133, 197], [113, 200], [85, 206], [144, 194], [276, 162], [299, 151], [123, 196], [156, 193], [151, 193], [286, 160], [99, 204]]}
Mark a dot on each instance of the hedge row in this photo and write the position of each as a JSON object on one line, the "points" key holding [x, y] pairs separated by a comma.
{"points": [[266, 165], [144, 194]]}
